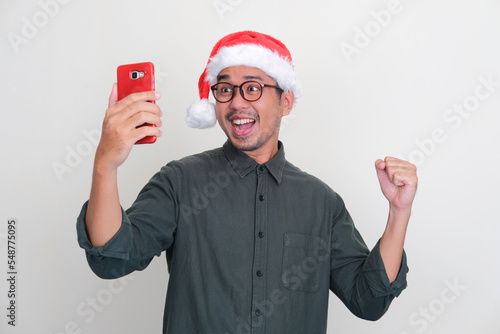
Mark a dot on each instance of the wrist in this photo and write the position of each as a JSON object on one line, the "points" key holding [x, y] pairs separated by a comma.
{"points": [[103, 165], [399, 216], [399, 211], [104, 172]]}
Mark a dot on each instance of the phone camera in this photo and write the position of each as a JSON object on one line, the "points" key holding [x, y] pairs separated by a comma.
{"points": [[134, 75]]}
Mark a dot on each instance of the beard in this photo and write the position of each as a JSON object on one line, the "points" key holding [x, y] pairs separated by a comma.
{"points": [[252, 142]]}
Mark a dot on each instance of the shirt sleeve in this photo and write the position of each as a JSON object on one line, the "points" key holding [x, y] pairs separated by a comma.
{"points": [[376, 275], [357, 275], [147, 229]]}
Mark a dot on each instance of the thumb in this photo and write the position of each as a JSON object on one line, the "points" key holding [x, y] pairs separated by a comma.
{"points": [[113, 97], [380, 167]]}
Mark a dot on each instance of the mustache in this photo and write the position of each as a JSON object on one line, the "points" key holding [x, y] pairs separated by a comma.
{"points": [[250, 114]]}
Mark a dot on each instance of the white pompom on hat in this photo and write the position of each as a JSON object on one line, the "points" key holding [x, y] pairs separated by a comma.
{"points": [[248, 48]]}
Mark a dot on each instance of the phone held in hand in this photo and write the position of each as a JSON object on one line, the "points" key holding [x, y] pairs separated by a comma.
{"points": [[134, 78]]}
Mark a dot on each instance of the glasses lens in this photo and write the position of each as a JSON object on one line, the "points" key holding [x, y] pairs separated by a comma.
{"points": [[252, 90], [223, 92]]}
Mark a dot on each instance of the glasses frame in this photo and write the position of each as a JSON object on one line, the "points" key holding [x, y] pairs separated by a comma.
{"points": [[213, 88]]}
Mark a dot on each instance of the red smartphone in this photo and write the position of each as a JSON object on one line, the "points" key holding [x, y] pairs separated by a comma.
{"points": [[134, 78]]}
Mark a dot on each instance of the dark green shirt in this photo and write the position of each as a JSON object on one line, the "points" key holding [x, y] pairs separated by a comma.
{"points": [[250, 248]]}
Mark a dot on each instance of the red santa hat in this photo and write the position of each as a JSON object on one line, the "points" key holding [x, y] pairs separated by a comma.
{"points": [[246, 48]]}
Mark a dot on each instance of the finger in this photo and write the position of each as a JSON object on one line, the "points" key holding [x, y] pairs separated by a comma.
{"points": [[132, 136], [380, 164], [146, 131], [401, 172], [120, 127], [119, 115], [398, 179], [113, 97], [398, 163], [407, 177], [123, 137], [140, 96], [142, 118], [130, 104], [134, 101], [380, 167], [142, 109]]}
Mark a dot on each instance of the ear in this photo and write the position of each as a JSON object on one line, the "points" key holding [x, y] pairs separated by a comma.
{"points": [[287, 100]]}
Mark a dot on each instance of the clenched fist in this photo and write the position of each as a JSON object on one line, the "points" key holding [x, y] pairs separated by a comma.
{"points": [[398, 181]]}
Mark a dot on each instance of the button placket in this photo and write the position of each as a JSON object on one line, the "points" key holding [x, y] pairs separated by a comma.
{"points": [[260, 250]]}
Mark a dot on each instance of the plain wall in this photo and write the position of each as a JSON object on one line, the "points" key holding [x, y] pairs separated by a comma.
{"points": [[413, 79]]}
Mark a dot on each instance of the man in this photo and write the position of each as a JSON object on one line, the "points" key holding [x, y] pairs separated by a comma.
{"points": [[253, 244]]}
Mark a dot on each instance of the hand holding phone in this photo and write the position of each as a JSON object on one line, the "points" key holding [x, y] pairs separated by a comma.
{"points": [[134, 78]]}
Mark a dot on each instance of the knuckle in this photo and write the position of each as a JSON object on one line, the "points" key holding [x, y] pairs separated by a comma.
{"points": [[133, 98], [142, 117]]}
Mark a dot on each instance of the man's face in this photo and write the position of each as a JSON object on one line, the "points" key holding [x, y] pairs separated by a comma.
{"points": [[252, 127]]}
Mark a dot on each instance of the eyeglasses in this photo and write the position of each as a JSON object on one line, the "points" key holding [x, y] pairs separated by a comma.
{"points": [[250, 91]]}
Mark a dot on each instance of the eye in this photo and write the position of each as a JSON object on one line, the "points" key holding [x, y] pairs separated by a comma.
{"points": [[225, 90], [253, 88]]}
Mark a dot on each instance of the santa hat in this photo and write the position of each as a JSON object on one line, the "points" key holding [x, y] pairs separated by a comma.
{"points": [[246, 48]]}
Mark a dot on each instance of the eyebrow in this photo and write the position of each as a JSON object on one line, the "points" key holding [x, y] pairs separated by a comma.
{"points": [[247, 77]]}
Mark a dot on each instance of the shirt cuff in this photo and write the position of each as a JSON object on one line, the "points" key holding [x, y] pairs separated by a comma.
{"points": [[377, 278], [117, 247]]}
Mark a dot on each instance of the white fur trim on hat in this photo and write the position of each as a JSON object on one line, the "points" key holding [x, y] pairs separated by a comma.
{"points": [[253, 55], [201, 114]]}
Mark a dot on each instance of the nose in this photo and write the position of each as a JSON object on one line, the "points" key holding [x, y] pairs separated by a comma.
{"points": [[238, 102]]}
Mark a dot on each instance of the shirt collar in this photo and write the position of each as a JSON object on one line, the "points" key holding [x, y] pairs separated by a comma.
{"points": [[243, 164]]}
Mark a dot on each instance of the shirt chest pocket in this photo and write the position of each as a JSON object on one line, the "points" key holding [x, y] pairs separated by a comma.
{"points": [[303, 259]]}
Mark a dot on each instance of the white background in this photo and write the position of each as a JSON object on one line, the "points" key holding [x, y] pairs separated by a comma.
{"points": [[379, 78]]}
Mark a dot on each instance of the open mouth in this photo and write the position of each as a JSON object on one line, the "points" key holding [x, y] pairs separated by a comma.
{"points": [[243, 124]]}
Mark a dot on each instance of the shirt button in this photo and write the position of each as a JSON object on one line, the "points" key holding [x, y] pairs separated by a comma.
{"points": [[261, 235], [261, 168], [260, 273], [258, 313], [261, 198]]}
